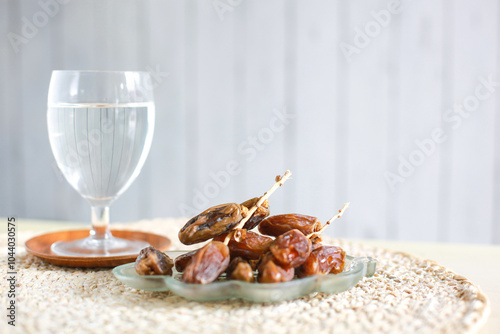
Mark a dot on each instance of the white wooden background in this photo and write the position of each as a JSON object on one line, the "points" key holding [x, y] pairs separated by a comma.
{"points": [[228, 73]]}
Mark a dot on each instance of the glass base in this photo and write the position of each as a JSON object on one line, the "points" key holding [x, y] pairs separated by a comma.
{"points": [[92, 247]]}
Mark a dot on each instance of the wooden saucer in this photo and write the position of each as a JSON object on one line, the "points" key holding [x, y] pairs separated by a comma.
{"points": [[40, 246]]}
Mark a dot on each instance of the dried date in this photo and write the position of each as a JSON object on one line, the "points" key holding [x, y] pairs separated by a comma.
{"points": [[323, 260], [153, 262], [249, 245], [207, 264], [270, 271], [240, 270], [291, 249], [277, 225], [211, 223], [182, 260]]}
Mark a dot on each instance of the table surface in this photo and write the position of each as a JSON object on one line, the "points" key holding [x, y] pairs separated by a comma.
{"points": [[479, 263]]}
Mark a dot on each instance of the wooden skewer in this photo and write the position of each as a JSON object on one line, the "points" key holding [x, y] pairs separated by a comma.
{"points": [[280, 180], [338, 215]]}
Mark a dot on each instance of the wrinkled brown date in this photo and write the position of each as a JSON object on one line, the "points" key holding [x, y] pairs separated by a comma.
{"points": [[277, 225], [250, 245], [291, 249], [207, 264], [153, 262], [182, 260], [240, 270], [270, 271], [259, 215], [212, 222], [323, 260]]}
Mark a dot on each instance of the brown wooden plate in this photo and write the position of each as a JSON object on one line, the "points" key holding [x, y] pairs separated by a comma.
{"points": [[40, 246]]}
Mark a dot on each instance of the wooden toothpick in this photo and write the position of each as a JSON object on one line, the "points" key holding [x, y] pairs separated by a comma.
{"points": [[338, 215], [280, 180]]}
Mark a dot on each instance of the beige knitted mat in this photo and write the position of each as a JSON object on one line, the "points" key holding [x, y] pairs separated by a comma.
{"points": [[406, 295]]}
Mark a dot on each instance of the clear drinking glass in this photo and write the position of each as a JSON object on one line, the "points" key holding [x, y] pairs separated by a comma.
{"points": [[100, 127]]}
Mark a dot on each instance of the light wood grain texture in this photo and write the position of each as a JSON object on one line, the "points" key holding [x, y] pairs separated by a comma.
{"points": [[419, 61], [314, 183], [167, 159], [227, 74], [265, 92], [13, 116], [473, 135], [5, 168], [33, 120], [215, 102], [366, 135], [495, 225]]}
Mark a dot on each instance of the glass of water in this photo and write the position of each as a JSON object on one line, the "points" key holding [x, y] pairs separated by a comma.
{"points": [[100, 127]]}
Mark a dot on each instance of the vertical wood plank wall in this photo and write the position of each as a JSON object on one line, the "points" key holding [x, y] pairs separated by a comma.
{"points": [[250, 88]]}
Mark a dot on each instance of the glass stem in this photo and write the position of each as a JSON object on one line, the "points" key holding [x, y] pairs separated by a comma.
{"points": [[100, 223]]}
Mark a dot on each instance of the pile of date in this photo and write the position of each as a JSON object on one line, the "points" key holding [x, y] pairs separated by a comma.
{"points": [[288, 246]]}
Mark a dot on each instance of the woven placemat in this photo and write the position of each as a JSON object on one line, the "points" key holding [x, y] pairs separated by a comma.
{"points": [[406, 295]]}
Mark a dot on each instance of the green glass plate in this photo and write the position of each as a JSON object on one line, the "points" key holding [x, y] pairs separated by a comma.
{"points": [[354, 270]]}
